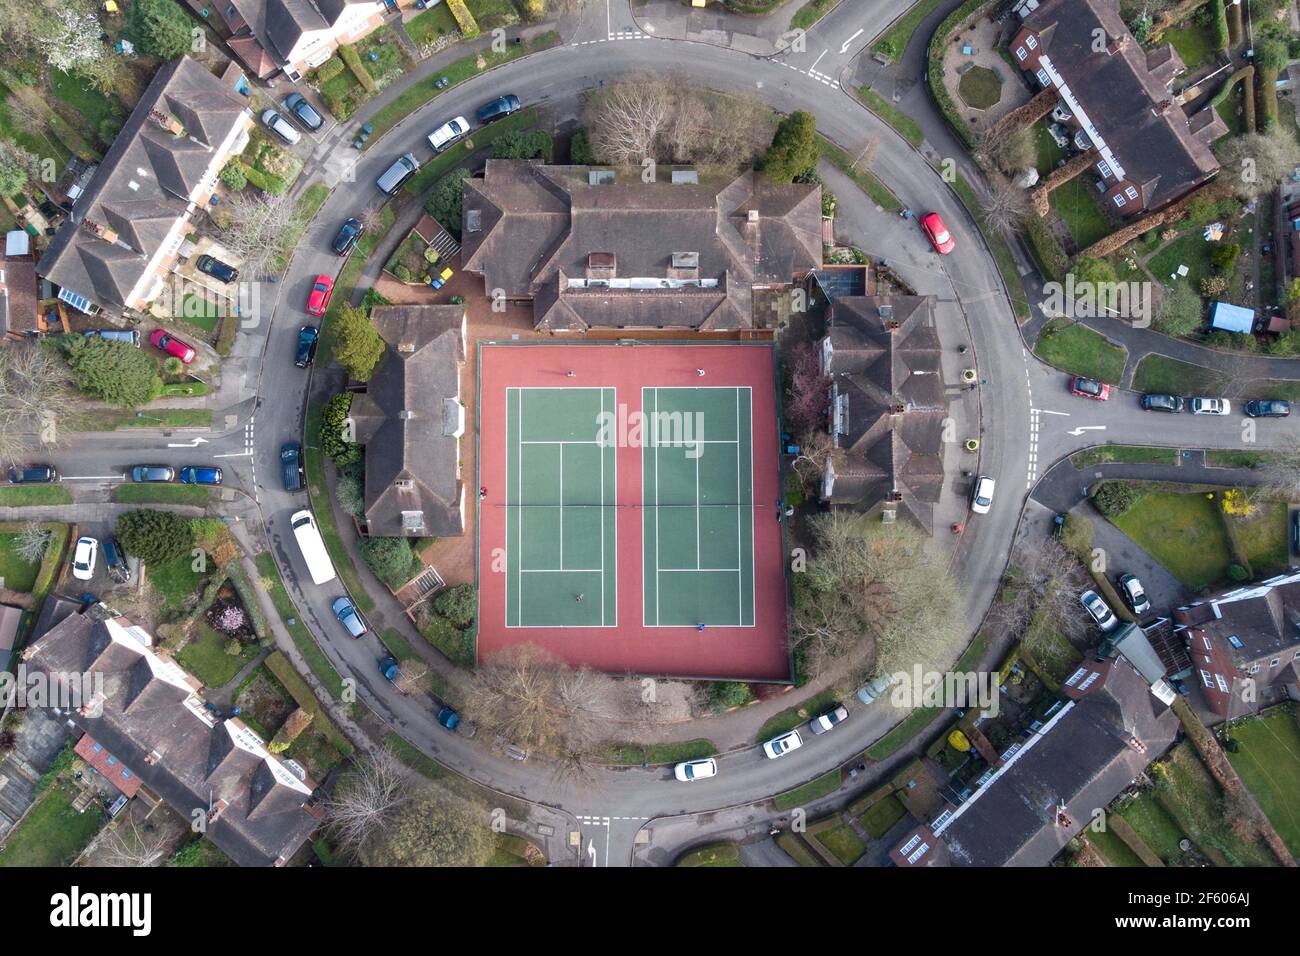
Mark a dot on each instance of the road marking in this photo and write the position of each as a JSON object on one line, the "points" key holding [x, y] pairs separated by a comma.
{"points": [[235, 454], [188, 444], [845, 47], [818, 60], [1086, 428], [1048, 411], [94, 477]]}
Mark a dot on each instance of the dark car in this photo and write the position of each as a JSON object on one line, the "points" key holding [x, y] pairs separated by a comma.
{"points": [[456, 723], [1162, 403], [200, 475], [33, 474], [1257, 408], [291, 465], [498, 108], [348, 235], [303, 111], [306, 353], [153, 473], [115, 558], [214, 267]]}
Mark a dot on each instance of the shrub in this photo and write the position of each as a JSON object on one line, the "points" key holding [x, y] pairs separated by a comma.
{"points": [[1114, 498], [353, 59], [351, 495], [445, 203], [533, 10], [794, 150], [1046, 249], [1237, 573], [1224, 255], [723, 695], [267, 182], [519, 145], [159, 28], [391, 559], [580, 153], [334, 432], [329, 69], [464, 19], [232, 174], [456, 604], [359, 346], [155, 536], [113, 371], [1219, 24]]}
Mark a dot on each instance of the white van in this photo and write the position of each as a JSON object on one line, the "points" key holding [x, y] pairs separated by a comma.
{"points": [[312, 547]]}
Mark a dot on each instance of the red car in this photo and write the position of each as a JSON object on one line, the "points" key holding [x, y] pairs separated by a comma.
{"points": [[159, 339], [940, 238], [1089, 388], [319, 299]]}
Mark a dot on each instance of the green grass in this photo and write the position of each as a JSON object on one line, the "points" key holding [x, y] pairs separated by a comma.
{"points": [[199, 852], [628, 755], [1268, 762], [1076, 204], [1079, 350], [843, 843], [314, 465], [1047, 153], [980, 88], [31, 496], [161, 494], [431, 24], [41, 142], [1193, 41], [828, 782], [205, 657], [895, 39], [1158, 373], [1125, 454], [458, 72], [105, 420], [1158, 829], [1183, 532], [1050, 649], [52, 833], [878, 818], [413, 757], [903, 124], [792, 717], [1112, 849], [18, 573], [174, 582], [811, 12], [1002, 256], [1195, 803], [456, 154], [1262, 538], [909, 727], [1217, 458], [200, 312], [316, 660], [93, 107], [492, 13], [717, 854], [1189, 250], [868, 183]]}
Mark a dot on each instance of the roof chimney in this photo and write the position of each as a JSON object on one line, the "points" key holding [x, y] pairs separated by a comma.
{"points": [[752, 216], [602, 265], [167, 122]]}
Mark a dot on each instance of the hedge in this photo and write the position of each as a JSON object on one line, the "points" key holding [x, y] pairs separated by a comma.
{"points": [[938, 43], [353, 59], [274, 185], [1219, 24], [464, 19], [1048, 253], [329, 69]]}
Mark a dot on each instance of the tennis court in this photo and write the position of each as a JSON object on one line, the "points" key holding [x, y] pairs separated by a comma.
{"points": [[698, 516], [560, 528]]}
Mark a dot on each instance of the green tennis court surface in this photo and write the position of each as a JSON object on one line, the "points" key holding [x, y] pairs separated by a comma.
{"points": [[698, 517], [560, 509]]}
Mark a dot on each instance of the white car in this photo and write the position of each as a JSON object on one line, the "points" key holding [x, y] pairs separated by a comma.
{"points": [[783, 744], [696, 770], [981, 498], [281, 127], [84, 558], [1098, 610], [828, 720], [448, 133], [1211, 406], [1136, 598]]}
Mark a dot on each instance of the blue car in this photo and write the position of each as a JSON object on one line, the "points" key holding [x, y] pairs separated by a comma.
{"points": [[498, 108], [306, 351], [153, 473], [291, 464], [348, 616], [449, 718], [348, 235], [200, 475]]}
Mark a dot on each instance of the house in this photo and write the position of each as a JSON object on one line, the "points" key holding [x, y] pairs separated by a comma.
{"points": [[887, 406], [593, 253], [146, 728], [411, 420], [19, 305], [1050, 785], [290, 35], [124, 234], [1245, 645], [1148, 152]]}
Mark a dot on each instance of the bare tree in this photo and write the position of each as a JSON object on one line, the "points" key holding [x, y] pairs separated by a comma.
{"points": [[1255, 163], [371, 218], [1280, 472], [1005, 204], [32, 542], [410, 675], [1042, 581], [34, 399], [367, 797], [126, 843], [624, 119], [260, 229], [1012, 152]]}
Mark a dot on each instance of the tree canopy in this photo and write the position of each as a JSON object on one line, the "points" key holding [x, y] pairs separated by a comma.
{"points": [[155, 536], [358, 345], [794, 150], [116, 372], [432, 827], [160, 28]]}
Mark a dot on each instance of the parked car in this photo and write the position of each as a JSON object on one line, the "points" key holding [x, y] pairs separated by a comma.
{"points": [[83, 559], [403, 168], [1211, 406], [1098, 610], [783, 744], [201, 475], [349, 616], [1275, 408], [349, 233], [1089, 388], [318, 300], [115, 560], [1153, 402], [448, 133], [303, 111], [291, 466], [689, 770], [281, 127], [981, 496], [875, 689], [153, 473], [389, 667], [305, 353], [828, 720], [211, 266], [456, 723], [33, 474], [1130, 589], [498, 108], [129, 336], [159, 339], [938, 233]]}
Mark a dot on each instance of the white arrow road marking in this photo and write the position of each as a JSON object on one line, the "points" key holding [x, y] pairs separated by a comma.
{"points": [[591, 851], [845, 47], [1086, 428], [188, 444]]}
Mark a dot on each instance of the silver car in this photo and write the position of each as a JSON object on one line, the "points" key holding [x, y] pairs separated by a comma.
{"points": [[281, 127], [1098, 610], [828, 720]]}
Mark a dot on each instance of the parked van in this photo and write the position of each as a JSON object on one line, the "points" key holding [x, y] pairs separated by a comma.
{"points": [[312, 547], [403, 169]]}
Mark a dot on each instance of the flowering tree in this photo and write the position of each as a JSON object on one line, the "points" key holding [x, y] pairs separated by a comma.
{"points": [[73, 40]]}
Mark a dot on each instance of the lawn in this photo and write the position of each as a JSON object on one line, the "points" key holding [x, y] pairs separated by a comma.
{"points": [[1193, 41], [17, 573], [1076, 204], [1125, 454], [828, 782], [842, 841], [896, 38], [1047, 152], [492, 13], [1268, 762], [1183, 532], [1195, 803], [205, 657], [200, 312], [867, 182], [1158, 829], [454, 155], [105, 420], [717, 854], [1262, 538], [1189, 250], [878, 818], [302, 637], [903, 124], [811, 12], [314, 465], [1112, 849], [792, 717], [433, 23], [1079, 350], [635, 754], [1218, 458], [52, 833], [42, 142], [34, 495], [161, 494], [102, 115], [980, 88], [174, 581], [1158, 373], [910, 726]]}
